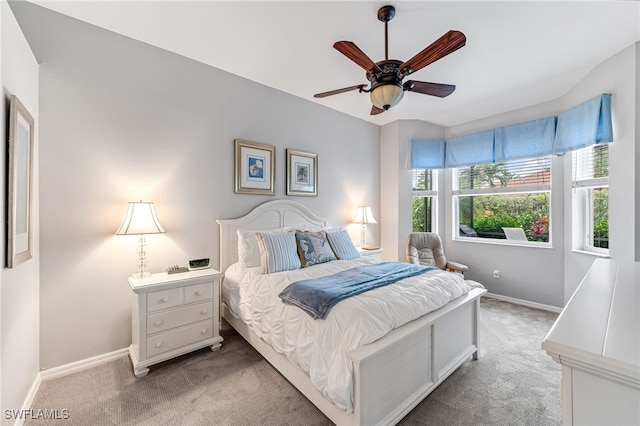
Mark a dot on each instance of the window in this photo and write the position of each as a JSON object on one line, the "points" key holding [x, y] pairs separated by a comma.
{"points": [[590, 181], [425, 200], [511, 194]]}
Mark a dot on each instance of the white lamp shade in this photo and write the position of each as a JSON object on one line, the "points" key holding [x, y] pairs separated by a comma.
{"points": [[386, 96], [140, 219], [364, 215]]}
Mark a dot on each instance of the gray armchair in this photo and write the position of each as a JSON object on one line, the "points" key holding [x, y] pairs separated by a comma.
{"points": [[425, 248]]}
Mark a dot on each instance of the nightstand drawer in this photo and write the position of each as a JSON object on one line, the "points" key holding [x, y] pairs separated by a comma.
{"points": [[181, 337], [164, 299], [178, 317], [198, 293]]}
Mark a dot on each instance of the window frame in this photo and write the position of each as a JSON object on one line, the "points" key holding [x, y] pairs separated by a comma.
{"points": [[457, 194], [582, 202], [426, 193]]}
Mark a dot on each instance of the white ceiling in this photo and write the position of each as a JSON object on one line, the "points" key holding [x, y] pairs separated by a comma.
{"points": [[518, 53]]}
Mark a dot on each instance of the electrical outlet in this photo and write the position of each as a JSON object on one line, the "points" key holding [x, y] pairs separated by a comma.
{"points": [[496, 274]]}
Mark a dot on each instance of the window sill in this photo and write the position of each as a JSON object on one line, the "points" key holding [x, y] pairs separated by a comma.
{"points": [[591, 253], [500, 242]]}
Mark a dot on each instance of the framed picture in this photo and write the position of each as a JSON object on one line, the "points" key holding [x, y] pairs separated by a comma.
{"points": [[19, 184], [255, 166], [302, 173]]}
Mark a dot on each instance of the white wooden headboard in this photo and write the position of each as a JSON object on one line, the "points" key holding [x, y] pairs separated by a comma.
{"points": [[270, 215]]}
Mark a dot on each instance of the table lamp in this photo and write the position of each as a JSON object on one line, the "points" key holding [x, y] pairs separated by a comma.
{"points": [[140, 220], [363, 217]]}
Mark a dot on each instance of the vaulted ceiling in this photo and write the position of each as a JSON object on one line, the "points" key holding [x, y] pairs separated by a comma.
{"points": [[518, 53]]}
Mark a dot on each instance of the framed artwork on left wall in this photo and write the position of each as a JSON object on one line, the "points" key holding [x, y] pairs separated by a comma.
{"points": [[255, 165], [19, 184]]}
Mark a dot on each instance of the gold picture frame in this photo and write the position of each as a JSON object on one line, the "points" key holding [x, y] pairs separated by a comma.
{"points": [[255, 165], [19, 184], [302, 173]]}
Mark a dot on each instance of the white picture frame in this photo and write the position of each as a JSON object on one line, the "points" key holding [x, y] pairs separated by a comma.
{"points": [[19, 184]]}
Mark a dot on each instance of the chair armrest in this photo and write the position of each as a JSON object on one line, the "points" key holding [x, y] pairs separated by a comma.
{"points": [[456, 267]]}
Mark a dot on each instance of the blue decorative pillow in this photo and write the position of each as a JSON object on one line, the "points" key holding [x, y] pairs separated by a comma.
{"points": [[342, 245], [313, 248], [278, 251]]}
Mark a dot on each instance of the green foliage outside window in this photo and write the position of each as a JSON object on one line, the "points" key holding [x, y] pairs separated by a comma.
{"points": [[529, 211], [601, 217], [418, 214]]}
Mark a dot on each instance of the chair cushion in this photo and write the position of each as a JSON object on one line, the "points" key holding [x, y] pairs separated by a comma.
{"points": [[425, 248]]}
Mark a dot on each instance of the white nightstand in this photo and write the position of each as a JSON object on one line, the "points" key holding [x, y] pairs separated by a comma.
{"points": [[373, 253], [173, 314]]}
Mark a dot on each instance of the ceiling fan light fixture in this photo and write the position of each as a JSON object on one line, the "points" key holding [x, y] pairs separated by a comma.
{"points": [[386, 95]]}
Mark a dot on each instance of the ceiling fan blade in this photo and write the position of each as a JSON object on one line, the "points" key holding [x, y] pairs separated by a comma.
{"points": [[338, 91], [375, 110], [434, 89], [353, 52], [448, 43]]}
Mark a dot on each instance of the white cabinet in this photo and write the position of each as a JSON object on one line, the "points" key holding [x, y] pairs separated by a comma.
{"points": [[372, 253], [596, 339], [173, 314]]}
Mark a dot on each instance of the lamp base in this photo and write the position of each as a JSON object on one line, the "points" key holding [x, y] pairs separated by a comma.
{"points": [[144, 274]]}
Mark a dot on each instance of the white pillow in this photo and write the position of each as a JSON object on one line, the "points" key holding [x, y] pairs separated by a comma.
{"points": [[248, 250], [278, 251], [341, 244]]}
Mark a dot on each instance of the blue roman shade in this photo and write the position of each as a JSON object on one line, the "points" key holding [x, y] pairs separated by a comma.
{"points": [[525, 140], [584, 125], [427, 154], [476, 148]]}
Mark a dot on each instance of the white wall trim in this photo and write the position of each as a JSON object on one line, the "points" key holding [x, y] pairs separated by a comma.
{"points": [[524, 302], [31, 395], [83, 364]]}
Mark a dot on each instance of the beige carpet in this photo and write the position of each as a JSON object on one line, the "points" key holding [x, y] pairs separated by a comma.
{"points": [[513, 383]]}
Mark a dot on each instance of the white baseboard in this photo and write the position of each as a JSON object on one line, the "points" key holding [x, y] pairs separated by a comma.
{"points": [[83, 364], [522, 302], [31, 395]]}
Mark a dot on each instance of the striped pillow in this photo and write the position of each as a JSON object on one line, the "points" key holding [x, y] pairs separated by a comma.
{"points": [[278, 251], [341, 244]]}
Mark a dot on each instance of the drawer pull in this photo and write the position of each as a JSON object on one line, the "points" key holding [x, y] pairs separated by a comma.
{"points": [[159, 323], [159, 345], [199, 293], [203, 312], [203, 331], [164, 299]]}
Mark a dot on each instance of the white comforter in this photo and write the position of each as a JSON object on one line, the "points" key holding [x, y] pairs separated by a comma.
{"points": [[320, 347]]}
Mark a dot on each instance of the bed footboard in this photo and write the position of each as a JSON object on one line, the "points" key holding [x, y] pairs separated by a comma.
{"points": [[395, 373]]}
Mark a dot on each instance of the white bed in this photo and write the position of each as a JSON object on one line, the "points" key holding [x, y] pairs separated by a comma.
{"points": [[391, 375]]}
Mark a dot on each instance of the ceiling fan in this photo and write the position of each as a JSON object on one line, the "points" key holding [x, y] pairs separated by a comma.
{"points": [[387, 88]]}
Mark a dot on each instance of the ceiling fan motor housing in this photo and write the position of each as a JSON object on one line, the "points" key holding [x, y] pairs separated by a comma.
{"points": [[386, 86], [386, 97]]}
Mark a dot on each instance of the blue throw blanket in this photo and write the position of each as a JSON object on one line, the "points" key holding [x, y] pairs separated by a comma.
{"points": [[317, 296]]}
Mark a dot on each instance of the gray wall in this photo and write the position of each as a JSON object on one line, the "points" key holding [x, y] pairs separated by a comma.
{"points": [[123, 121], [19, 287]]}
